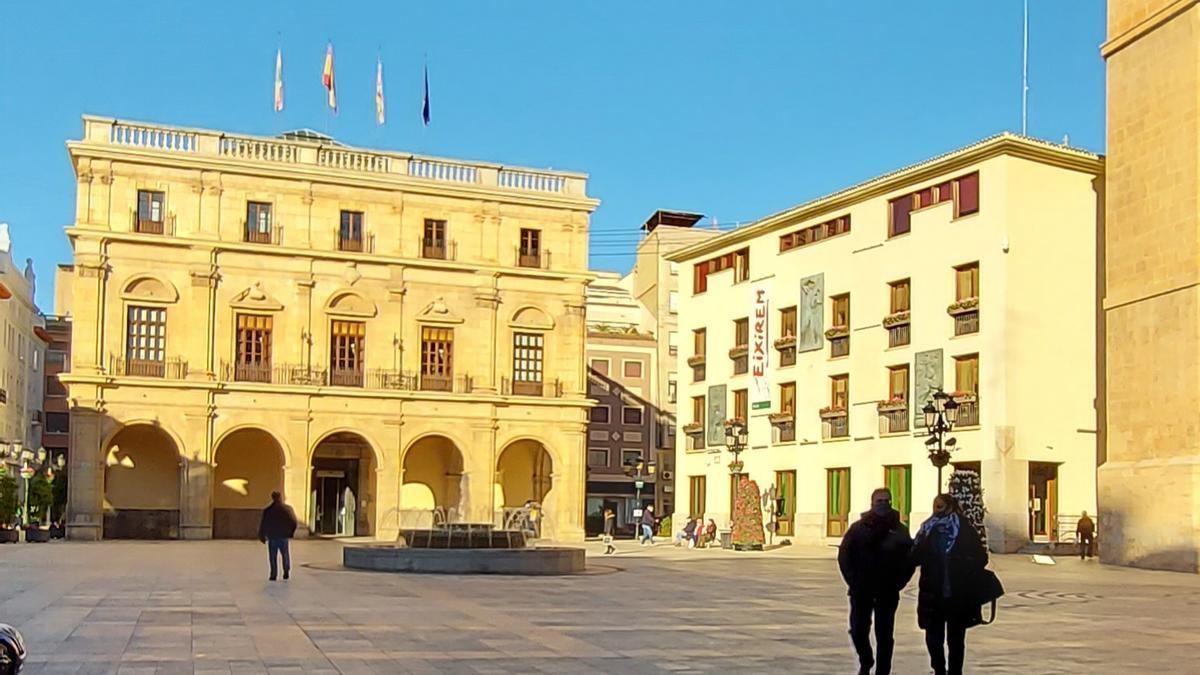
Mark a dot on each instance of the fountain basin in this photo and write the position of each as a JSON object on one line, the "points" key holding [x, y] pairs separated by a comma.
{"points": [[522, 561]]}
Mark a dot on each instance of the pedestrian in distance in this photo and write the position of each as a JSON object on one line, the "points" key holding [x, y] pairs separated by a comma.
{"points": [[648, 524], [278, 525], [1085, 530], [875, 563], [610, 530], [952, 560]]}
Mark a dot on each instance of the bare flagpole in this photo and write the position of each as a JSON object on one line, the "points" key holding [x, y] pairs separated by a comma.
{"points": [[1025, 74]]}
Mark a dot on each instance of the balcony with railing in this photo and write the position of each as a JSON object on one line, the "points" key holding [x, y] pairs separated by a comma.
{"points": [[437, 249], [373, 379], [897, 325], [165, 369], [968, 409], [835, 423], [164, 225], [740, 355], [550, 389], [345, 377], [893, 416], [786, 346], [254, 235], [328, 156], [360, 244], [538, 260], [839, 341], [966, 316], [785, 424]]}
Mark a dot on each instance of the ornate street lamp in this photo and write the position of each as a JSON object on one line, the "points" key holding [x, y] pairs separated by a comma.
{"points": [[634, 468], [735, 440], [941, 412]]}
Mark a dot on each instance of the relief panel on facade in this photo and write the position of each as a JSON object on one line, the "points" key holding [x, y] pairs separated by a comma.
{"points": [[716, 415], [812, 314], [927, 377]]}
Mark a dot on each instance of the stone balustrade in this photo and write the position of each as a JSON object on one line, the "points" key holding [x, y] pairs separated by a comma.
{"points": [[200, 142]]}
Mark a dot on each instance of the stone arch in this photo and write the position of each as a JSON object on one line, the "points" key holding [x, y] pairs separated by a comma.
{"points": [[342, 497], [433, 471], [248, 467], [288, 457], [524, 472], [149, 288], [347, 302], [531, 317], [142, 482]]}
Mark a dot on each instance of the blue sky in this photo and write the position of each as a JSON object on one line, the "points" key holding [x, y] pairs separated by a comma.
{"points": [[734, 110]]}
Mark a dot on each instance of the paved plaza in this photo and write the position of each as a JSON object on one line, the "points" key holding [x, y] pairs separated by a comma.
{"points": [[207, 607]]}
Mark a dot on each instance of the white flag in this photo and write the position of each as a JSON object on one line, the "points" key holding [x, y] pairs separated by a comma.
{"points": [[279, 80]]}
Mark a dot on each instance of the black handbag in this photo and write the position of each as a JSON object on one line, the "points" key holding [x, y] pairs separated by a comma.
{"points": [[990, 590]]}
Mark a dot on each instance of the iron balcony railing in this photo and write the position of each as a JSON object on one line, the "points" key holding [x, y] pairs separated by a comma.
{"points": [[168, 369], [898, 336], [894, 421], [164, 225], [966, 323], [533, 259], [551, 389], [254, 235], [968, 412], [437, 249]]}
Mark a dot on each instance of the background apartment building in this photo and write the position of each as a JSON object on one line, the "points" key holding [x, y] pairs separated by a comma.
{"points": [[22, 359], [974, 272], [622, 379], [389, 340]]}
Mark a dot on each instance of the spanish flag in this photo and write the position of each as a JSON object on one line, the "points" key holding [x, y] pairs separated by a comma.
{"points": [[327, 77]]}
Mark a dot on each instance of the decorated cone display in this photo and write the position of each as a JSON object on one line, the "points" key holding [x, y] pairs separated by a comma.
{"points": [[747, 515], [966, 488]]}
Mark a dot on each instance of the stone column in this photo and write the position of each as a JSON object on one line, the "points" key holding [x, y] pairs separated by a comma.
{"points": [[88, 288], [570, 360], [564, 504], [85, 499], [387, 482], [195, 503], [486, 320], [298, 470], [479, 466]]}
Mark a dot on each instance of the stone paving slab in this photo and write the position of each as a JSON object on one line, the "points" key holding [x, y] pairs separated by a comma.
{"points": [[206, 607]]}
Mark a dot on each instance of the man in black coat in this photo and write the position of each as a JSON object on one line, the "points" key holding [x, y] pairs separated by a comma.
{"points": [[277, 526], [875, 563]]}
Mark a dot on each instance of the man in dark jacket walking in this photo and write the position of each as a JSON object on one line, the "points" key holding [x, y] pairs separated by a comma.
{"points": [[875, 563], [1086, 530], [277, 526]]}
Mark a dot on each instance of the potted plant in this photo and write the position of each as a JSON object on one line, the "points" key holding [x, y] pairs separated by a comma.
{"points": [[693, 428], [893, 403], [735, 420], [785, 342], [830, 411], [41, 497], [963, 396], [896, 319], [778, 418], [696, 360], [837, 332], [962, 306], [8, 509], [736, 466]]}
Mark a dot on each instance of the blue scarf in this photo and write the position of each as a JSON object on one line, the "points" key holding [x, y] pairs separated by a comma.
{"points": [[943, 529]]}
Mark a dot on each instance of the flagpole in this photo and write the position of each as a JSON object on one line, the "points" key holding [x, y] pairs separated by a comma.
{"points": [[1025, 73]]}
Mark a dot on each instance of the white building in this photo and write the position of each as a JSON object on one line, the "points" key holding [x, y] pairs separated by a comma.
{"points": [[974, 272]]}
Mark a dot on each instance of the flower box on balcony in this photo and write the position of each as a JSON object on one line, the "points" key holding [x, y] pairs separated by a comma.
{"points": [[735, 420], [739, 351], [831, 413], [696, 360], [892, 404], [837, 332], [963, 306], [692, 428], [785, 342], [736, 467], [964, 396], [896, 319], [782, 418]]}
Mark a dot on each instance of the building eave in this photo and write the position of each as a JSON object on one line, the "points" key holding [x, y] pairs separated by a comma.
{"points": [[1013, 145]]}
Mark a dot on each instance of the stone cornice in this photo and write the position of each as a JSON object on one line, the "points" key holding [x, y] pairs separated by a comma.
{"points": [[102, 233], [1119, 42], [1005, 144]]}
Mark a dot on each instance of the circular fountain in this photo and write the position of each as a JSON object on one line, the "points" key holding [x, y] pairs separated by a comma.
{"points": [[464, 548]]}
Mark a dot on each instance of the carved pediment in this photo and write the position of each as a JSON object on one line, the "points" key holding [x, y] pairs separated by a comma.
{"points": [[150, 289], [531, 318], [350, 303], [438, 312], [256, 298]]}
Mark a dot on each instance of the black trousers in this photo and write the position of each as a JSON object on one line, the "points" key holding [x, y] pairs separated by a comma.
{"points": [[946, 633], [1085, 546], [883, 606]]}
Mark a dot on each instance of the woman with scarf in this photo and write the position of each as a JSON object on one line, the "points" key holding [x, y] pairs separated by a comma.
{"points": [[951, 555]]}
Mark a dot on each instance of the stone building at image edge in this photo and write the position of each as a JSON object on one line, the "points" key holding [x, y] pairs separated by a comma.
{"points": [[828, 326], [390, 340]]}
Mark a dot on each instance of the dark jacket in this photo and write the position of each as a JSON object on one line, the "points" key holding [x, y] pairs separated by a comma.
{"points": [[1085, 527], [690, 528], [610, 525], [963, 563], [648, 518], [278, 522], [874, 555]]}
